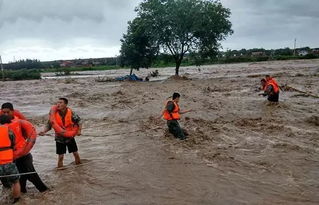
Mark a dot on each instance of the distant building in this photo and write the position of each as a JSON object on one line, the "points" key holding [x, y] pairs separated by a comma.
{"points": [[315, 51], [66, 64], [258, 53], [96, 63], [302, 52]]}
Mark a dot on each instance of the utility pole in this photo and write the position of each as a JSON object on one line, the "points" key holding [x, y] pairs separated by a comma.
{"points": [[295, 47], [2, 71]]}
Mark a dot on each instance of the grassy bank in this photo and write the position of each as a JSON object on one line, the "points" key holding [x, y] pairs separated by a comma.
{"points": [[25, 74]]}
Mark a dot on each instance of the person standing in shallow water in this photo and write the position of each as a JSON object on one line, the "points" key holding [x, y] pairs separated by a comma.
{"points": [[172, 113], [66, 119]]}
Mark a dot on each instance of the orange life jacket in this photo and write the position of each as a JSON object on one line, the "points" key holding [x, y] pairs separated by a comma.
{"points": [[67, 119], [273, 82], [16, 114], [25, 134], [274, 85], [173, 115], [15, 126], [6, 149], [66, 128]]}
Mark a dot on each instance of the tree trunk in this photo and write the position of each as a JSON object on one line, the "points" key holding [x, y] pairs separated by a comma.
{"points": [[131, 72], [178, 64]]}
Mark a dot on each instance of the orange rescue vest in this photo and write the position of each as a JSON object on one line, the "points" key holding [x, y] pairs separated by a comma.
{"points": [[15, 126], [173, 115], [273, 81], [25, 137], [64, 128], [274, 85], [6, 149]]}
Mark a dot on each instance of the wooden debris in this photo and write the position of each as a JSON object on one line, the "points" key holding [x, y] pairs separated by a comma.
{"points": [[292, 89]]}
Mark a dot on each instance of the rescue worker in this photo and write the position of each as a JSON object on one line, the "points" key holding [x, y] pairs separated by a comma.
{"points": [[7, 167], [271, 89], [25, 139], [272, 80], [16, 113], [172, 113], [65, 118]]}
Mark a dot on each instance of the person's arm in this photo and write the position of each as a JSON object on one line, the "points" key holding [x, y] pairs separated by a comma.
{"points": [[77, 120], [80, 130], [46, 128], [12, 139], [185, 111], [169, 107], [268, 91]]}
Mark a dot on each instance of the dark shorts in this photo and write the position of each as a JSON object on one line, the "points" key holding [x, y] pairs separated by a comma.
{"points": [[70, 144], [274, 97], [9, 169]]}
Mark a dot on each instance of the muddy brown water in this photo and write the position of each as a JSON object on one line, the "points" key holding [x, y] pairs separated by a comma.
{"points": [[240, 150]]}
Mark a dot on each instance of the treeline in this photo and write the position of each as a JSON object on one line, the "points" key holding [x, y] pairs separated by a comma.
{"points": [[30, 64], [21, 74], [49, 65], [229, 56], [31, 69], [24, 64], [243, 55]]}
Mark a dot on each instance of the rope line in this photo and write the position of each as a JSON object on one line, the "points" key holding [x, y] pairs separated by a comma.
{"points": [[21, 174]]}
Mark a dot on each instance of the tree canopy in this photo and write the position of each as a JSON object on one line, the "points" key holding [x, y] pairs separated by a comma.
{"points": [[137, 49], [175, 27]]}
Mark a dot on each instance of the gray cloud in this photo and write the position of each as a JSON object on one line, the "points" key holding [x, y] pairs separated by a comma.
{"points": [[273, 24], [62, 25], [64, 10], [60, 29]]}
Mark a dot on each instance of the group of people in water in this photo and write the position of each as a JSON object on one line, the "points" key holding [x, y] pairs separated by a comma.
{"points": [[172, 112], [18, 135]]}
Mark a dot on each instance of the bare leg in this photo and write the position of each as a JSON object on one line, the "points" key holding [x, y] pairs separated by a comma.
{"points": [[16, 191], [77, 158], [60, 160]]}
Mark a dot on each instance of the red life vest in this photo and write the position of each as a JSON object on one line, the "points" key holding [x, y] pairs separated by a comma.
{"points": [[274, 85], [25, 136], [173, 115], [6, 149], [15, 126], [64, 128]]}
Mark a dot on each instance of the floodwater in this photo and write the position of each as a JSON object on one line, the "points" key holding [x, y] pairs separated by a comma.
{"points": [[241, 150]]}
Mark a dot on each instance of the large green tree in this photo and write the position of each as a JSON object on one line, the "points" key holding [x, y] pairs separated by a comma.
{"points": [[137, 49], [178, 27]]}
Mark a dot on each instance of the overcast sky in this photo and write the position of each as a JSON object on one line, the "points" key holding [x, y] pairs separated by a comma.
{"points": [[68, 29]]}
